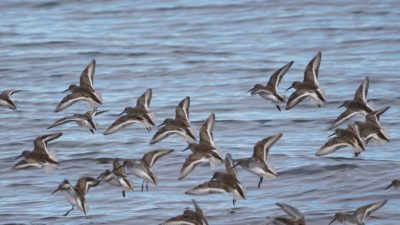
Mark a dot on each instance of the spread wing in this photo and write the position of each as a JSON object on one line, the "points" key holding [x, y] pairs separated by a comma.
{"points": [[151, 157], [85, 183], [65, 120], [182, 110], [121, 123], [375, 116], [68, 100], [296, 97], [311, 71], [40, 143], [144, 100], [229, 166], [363, 212], [290, 210], [362, 91], [276, 78], [346, 115], [332, 145], [261, 148], [206, 131], [118, 169], [86, 80], [188, 218], [209, 187], [190, 163]]}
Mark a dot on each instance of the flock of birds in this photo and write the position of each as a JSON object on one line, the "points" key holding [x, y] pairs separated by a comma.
{"points": [[355, 136]]}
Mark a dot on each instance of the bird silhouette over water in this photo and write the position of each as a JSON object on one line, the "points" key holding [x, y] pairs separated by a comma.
{"points": [[257, 164], [40, 156], [139, 114], [270, 91], [180, 125], [309, 87], [85, 120], [203, 152], [75, 195], [5, 99], [222, 182], [83, 92], [359, 216], [358, 105]]}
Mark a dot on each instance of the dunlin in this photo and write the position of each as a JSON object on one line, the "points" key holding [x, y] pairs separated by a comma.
{"points": [[188, 217], [138, 114], [371, 128], [204, 151], [40, 155], [296, 217], [180, 125], [85, 91], [309, 87], [76, 195], [142, 168], [222, 183], [257, 164], [270, 91], [359, 216], [117, 177], [84, 120], [344, 138], [358, 105], [5, 99], [395, 183]]}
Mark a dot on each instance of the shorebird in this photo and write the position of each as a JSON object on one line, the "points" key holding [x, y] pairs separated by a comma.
{"points": [[222, 183], [138, 114], [371, 128], [344, 137], [84, 120], [309, 87], [296, 217], [5, 99], [189, 217], [117, 177], [40, 155], [395, 184], [269, 91], [180, 125], [358, 105], [204, 151], [257, 164], [359, 216], [85, 91], [142, 168], [76, 195]]}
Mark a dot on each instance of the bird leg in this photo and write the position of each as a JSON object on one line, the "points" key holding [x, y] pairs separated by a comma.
{"points": [[277, 106], [234, 202], [147, 186], [142, 185], [69, 211], [260, 182], [123, 194]]}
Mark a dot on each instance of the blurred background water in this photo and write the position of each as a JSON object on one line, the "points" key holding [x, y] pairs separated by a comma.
{"points": [[213, 51]]}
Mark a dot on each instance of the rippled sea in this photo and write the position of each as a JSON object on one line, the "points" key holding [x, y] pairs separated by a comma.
{"points": [[212, 51]]}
